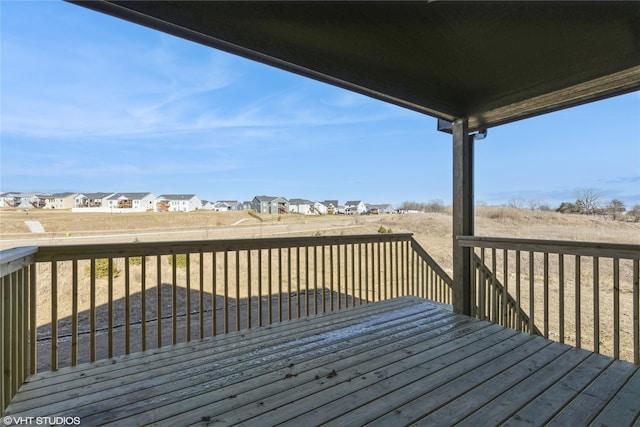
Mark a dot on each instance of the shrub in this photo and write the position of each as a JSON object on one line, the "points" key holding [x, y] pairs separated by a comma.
{"points": [[135, 260], [181, 260], [383, 230], [102, 269]]}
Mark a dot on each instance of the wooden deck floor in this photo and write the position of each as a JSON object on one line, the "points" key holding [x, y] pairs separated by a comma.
{"points": [[389, 363]]}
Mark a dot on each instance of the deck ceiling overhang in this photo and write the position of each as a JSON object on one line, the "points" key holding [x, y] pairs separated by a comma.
{"points": [[490, 62]]}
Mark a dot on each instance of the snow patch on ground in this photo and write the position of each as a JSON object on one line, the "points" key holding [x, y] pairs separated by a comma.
{"points": [[35, 226]]}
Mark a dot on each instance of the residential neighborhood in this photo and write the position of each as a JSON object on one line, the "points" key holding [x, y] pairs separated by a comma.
{"points": [[111, 202]]}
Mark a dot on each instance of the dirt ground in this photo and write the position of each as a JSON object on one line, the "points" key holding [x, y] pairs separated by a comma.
{"points": [[431, 230]]}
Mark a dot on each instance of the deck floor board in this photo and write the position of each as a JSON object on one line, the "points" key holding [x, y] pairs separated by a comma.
{"points": [[400, 361]]}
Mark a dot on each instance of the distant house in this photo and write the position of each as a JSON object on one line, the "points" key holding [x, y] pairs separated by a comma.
{"points": [[60, 201], [177, 203], [354, 207], [136, 202], [91, 200], [227, 205], [384, 208], [246, 205], [24, 200], [302, 206], [270, 204], [207, 205], [329, 207]]}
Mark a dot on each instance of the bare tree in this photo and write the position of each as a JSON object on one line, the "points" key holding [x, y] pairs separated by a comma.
{"points": [[615, 208], [517, 202], [635, 213], [588, 201]]}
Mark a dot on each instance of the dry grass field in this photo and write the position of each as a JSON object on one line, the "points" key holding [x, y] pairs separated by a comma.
{"points": [[432, 231]]}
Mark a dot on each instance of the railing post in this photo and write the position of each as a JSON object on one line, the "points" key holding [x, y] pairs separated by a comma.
{"points": [[462, 214]]}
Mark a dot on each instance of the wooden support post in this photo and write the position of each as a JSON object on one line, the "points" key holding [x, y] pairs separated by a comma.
{"points": [[462, 214]]}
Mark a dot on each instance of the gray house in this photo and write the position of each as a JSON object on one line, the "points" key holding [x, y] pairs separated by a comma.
{"points": [[270, 204], [227, 205]]}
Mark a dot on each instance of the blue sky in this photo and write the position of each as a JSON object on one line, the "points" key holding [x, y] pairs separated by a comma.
{"points": [[92, 103]]}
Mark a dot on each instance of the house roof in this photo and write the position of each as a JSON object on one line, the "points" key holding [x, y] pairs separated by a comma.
{"points": [[328, 203], [129, 196], [352, 202], [269, 198], [490, 62], [94, 196], [62, 195], [177, 196], [300, 202]]}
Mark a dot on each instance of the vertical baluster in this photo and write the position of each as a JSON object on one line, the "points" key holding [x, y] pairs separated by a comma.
{"points": [[331, 276], [315, 280], [596, 304], [616, 308], [237, 266], [578, 326], [174, 299], [92, 314], [54, 316], [346, 277], [298, 283], [561, 315], [518, 292], [110, 305], [226, 292], [249, 293], [279, 284], [289, 275], [159, 300], [201, 296], [260, 308], [531, 292], [127, 306], [379, 250], [385, 269], [269, 280], [143, 304], [361, 280], [32, 320], [366, 271], [188, 298], [494, 289], [339, 274], [306, 279], [636, 311], [5, 328], [353, 274], [482, 286], [74, 313], [505, 289], [20, 329], [546, 294], [214, 294]]}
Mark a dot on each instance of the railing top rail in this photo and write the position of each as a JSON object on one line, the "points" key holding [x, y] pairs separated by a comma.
{"points": [[16, 258], [567, 247], [114, 250]]}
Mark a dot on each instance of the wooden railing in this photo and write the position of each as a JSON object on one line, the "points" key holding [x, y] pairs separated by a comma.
{"points": [[17, 307], [583, 294], [64, 305]]}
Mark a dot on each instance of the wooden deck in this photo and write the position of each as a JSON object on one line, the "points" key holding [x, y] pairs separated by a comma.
{"points": [[395, 362]]}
